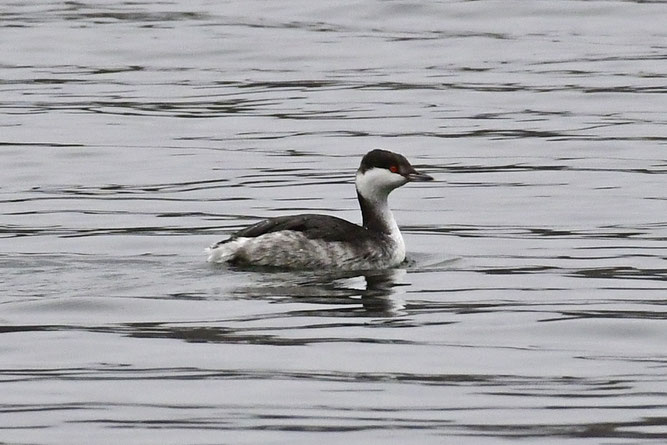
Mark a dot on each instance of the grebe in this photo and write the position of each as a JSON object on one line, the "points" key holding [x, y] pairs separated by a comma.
{"points": [[311, 241]]}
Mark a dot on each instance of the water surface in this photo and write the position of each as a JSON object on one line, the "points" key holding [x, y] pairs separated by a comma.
{"points": [[133, 135]]}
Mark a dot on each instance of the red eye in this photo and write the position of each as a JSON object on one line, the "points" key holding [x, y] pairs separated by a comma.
{"points": [[393, 169]]}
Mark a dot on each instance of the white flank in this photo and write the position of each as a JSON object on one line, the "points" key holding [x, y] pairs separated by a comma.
{"points": [[224, 252]]}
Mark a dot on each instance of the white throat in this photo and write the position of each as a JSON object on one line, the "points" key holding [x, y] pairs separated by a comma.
{"points": [[375, 184], [373, 187]]}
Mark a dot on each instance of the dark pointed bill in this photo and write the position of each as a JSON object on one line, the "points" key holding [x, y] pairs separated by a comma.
{"points": [[415, 176]]}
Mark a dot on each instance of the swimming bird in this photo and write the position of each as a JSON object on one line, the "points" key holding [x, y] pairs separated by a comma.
{"points": [[311, 241]]}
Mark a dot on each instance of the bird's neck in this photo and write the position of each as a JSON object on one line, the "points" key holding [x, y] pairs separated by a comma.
{"points": [[377, 216], [373, 188]]}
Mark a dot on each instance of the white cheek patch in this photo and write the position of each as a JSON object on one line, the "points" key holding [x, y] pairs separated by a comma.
{"points": [[378, 182]]}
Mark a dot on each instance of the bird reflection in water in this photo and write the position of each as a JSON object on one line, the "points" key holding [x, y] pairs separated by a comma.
{"points": [[379, 292], [381, 297]]}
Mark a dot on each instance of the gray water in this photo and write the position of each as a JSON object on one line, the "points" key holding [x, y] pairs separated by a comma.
{"points": [[134, 134]]}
